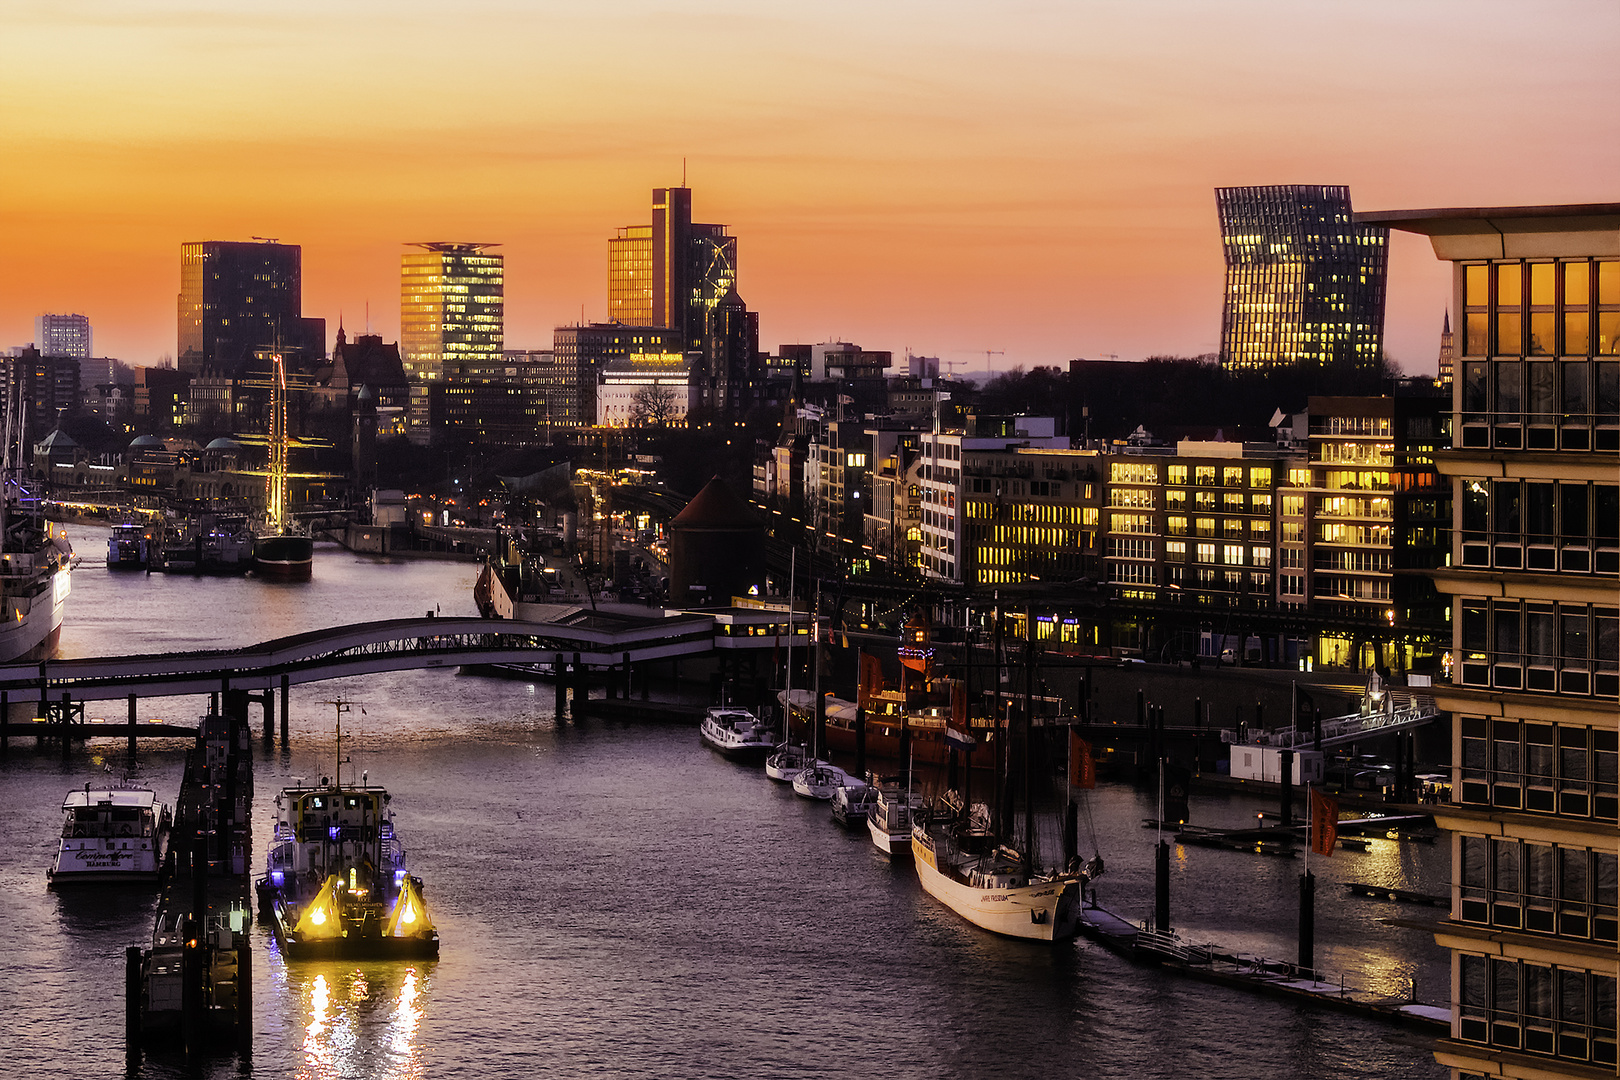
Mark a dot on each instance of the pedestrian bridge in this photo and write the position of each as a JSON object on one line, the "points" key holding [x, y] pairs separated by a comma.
{"points": [[582, 639]]}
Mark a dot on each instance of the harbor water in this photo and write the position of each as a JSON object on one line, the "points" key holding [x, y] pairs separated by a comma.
{"points": [[614, 900]]}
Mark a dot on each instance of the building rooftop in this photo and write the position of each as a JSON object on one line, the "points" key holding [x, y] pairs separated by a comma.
{"points": [[1506, 232]]}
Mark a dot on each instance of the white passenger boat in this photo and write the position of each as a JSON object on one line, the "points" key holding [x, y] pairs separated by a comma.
{"points": [[994, 892], [821, 781], [737, 733], [890, 821], [110, 835]]}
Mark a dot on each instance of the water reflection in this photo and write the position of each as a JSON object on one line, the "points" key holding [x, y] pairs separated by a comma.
{"points": [[361, 1021]]}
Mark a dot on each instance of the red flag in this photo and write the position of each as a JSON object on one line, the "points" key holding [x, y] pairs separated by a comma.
{"points": [[1082, 769], [1324, 823], [956, 728]]}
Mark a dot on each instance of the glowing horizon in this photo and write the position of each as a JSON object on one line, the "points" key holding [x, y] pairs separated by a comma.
{"points": [[1036, 180]]}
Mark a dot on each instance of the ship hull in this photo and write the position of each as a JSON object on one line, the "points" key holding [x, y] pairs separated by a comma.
{"points": [[284, 558], [35, 626], [1044, 911]]}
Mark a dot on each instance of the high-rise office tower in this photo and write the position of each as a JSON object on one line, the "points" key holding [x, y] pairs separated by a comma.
{"points": [[236, 297], [1534, 584], [64, 335], [1304, 282], [451, 314], [682, 275]]}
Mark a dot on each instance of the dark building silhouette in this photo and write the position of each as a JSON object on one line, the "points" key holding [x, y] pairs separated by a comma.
{"points": [[579, 355], [1304, 282], [716, 548], [236, 297]]}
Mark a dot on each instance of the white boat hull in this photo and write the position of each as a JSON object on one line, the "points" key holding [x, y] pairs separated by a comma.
{"points": [[894, 844], [34, 625], [1044, 911]]}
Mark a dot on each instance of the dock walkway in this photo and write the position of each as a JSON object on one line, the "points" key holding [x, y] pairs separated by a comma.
{"points": [[1254, 974]]}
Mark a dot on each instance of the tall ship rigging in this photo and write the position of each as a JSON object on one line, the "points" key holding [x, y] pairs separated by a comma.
{"points": [[34, 557], [278, 554]]}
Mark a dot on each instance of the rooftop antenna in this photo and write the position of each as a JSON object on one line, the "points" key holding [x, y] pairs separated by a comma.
{"points": [[683, 172]]}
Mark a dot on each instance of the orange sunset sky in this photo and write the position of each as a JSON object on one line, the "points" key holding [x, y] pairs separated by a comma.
{"points": [[1029, 177]]}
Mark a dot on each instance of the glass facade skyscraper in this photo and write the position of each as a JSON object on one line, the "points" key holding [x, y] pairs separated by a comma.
{"points": [[1304, 282], [238, 296], [451, 313]]}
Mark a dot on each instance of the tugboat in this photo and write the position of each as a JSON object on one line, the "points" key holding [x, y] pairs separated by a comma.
{"points": [[110, 835], [336, 885], [127, 547]]}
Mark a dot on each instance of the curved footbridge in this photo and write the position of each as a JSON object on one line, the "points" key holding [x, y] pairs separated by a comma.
{"points": [[575, 643]]}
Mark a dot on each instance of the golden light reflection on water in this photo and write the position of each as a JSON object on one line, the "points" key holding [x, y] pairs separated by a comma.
{"points": [[361, 1022]]}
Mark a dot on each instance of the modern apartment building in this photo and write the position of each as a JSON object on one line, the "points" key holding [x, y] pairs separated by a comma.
{"points": [[64, 335], [1534, 580], [1379, 512], [1008, 501], [451, 312], [1304, 281]]}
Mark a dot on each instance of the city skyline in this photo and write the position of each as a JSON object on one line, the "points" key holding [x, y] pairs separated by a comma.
{"points": [[1040, 182]]}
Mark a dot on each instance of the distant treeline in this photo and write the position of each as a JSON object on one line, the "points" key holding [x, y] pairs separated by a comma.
{"points": [[1170, 396]]}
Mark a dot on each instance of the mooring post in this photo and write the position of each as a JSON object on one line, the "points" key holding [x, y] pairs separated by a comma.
{"points": [[286, 685], [1287, 757], [67, 730], [132, 727], [1161, 888], [559, 682], [132, 1005], [244, 992], [1307, 921], [582, 686], [191, 999], [5, 723], [267, 702], [627, 676]]}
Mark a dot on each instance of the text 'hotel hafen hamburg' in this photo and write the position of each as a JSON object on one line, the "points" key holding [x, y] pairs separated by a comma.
{"points": [[1535, 554]]}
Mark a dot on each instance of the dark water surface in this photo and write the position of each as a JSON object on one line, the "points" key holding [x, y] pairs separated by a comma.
{"points": [[616, 901]]}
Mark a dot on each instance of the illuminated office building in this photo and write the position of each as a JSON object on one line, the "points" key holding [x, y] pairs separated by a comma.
{"points": [[682, 275], [1534, 694], [580, 354], [236, 297], [451, 313], [64, 335], [1304, 282]]}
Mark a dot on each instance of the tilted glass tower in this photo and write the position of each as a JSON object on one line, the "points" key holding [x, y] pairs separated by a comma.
{"points": [[1304, 282], [451, 313]]}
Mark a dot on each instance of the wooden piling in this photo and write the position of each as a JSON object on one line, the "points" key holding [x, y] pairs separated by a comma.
{"points": [[1161, 888], [132, 1006], [286, 685], [131, 727]]}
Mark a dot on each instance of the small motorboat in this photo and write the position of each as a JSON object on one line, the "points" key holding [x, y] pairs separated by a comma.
{"points": [[822, 781], [851, 806]]}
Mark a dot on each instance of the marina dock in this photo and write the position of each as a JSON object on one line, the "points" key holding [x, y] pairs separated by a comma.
{"points": [[1253, 974], [193, 986]]}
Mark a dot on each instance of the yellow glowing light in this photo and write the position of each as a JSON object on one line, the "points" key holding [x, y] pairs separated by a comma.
{"points": [[317, 917]]}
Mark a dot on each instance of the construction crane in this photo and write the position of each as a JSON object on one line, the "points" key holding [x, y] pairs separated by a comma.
{"points": [[988, 353]]}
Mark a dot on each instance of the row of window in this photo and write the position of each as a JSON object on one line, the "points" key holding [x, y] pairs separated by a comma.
{"points": [[1569, 1013], [1542, 768], [1541, 525], [1540, 646], [1541, 888], [1541, 404]]}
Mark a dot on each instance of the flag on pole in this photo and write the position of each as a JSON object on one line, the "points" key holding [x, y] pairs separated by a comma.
{"points": [[1082, 767], [1324, 823]]}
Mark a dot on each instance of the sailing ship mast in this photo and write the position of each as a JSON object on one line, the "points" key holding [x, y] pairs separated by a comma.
{"points": [[276, 493]]}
